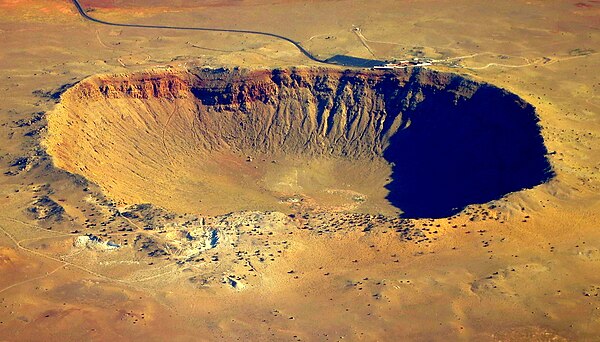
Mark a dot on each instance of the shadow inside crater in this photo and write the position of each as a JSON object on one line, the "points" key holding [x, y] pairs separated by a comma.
{"points": [[456, 153]]}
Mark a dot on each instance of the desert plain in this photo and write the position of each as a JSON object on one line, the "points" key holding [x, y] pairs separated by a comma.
{"points": [[175, 184]]}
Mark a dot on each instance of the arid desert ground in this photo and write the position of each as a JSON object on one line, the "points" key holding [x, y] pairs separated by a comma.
{"points": [[190, 185]]}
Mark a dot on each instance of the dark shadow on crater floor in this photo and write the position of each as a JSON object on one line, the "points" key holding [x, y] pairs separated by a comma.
{"points": [[455, 154]]}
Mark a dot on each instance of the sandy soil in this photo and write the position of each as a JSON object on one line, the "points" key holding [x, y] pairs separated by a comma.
{"points": [[523, 268]]}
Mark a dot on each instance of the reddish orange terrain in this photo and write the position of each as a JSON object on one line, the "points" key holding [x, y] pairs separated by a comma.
{"points": [[299, 170]]}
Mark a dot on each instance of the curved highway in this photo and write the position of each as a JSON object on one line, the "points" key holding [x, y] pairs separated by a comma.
{"points": [[309, 55]]}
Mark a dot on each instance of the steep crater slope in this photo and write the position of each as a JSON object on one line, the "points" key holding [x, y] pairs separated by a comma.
{"points": [[214, 141]]}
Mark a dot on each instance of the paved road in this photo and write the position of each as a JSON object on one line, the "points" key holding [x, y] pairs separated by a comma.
{"points": [[306, 53]]}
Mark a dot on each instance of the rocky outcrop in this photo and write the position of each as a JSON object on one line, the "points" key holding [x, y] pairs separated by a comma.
{"points": [[140, 86], [45, 208]]}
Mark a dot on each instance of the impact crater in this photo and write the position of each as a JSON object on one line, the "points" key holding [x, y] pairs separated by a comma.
{"points": [[417, 142]]}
